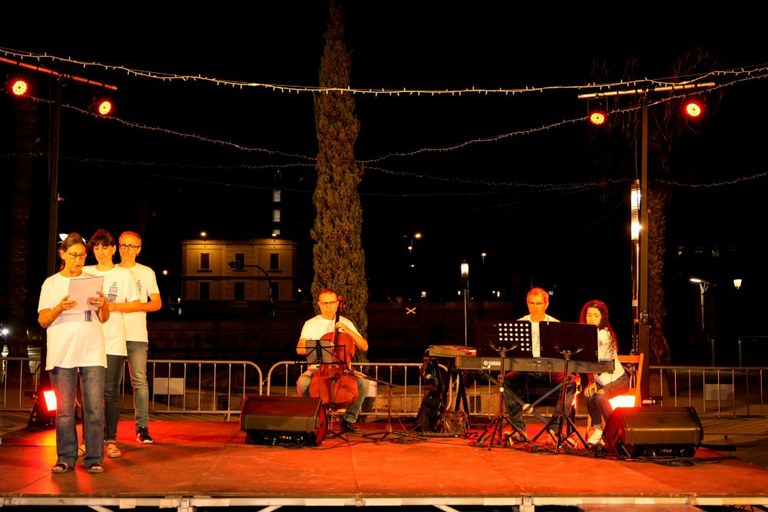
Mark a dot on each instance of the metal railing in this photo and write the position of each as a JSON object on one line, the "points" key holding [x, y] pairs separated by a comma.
{"points": [[219, 387]]}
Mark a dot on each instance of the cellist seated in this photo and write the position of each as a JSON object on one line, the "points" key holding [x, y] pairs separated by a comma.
{"points": [[330, 325]]}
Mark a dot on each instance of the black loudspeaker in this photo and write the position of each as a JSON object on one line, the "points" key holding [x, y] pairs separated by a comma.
{"points": [[653, 432], [284, 420]]}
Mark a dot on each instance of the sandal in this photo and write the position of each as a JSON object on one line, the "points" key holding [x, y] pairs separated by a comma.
{"points": [[81, 450], [60, 467], [112, 450], [95, 468]]}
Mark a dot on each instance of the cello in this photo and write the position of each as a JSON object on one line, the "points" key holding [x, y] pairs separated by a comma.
{"points": [[335, 383]]}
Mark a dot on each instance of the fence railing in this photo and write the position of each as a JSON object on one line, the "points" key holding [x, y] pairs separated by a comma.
{"points": [[219, 387]]}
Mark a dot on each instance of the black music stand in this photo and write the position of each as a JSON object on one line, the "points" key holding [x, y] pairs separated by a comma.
{"points": [[506, 336], [561, 423], [389, 431]]}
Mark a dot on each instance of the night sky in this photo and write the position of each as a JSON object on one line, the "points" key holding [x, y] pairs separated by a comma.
{"points": [[519, 176]]}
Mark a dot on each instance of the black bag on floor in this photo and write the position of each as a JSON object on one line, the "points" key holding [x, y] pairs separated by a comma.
{"points": [[430, 412]]}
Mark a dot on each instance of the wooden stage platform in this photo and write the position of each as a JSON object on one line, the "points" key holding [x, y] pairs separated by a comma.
{"points": [[204, 463]]}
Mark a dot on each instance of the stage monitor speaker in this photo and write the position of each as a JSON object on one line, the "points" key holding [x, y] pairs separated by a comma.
{"points": [[653, 432], [284, 420]]}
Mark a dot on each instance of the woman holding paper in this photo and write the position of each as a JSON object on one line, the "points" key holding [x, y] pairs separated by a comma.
{"points": [[72, 308]]}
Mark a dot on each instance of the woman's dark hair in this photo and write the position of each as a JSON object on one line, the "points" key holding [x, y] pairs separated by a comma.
{"points": [[605, 321], [102, 237]]}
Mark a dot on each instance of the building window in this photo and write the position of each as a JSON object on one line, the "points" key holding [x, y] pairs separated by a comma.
{"points": [[205, 291], [276, 196], [274, 261], [275, 215], [239, 291], [205, 261], [275, 287]]}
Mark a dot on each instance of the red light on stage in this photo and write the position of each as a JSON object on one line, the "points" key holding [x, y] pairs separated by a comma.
{"points": [[49, 399], [19, 87], [693, 108]]}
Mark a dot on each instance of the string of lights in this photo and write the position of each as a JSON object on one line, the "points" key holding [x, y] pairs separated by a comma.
{"points": [[741, 73]]}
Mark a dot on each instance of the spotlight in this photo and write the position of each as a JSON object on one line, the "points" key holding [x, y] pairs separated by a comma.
{"points": [[693, 108], [598, 113], [19, 86], [103, 106], [44, 411]]}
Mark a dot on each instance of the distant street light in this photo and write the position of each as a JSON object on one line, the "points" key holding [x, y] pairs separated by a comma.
{"points": [[703, 287], [465, 284], [737, 285]]}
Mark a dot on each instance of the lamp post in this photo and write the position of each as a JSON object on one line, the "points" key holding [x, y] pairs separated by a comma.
{"points": [[703, 286], [238, 265], [737, 284], [465, 284]]}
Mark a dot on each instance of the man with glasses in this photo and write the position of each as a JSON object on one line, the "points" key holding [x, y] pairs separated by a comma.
{"points": [[516, 383], [317, 327], [136, 332]]}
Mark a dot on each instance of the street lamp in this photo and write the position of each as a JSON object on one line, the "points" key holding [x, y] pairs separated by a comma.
{"points": [[239, 266], [737, 285], [465, 284], [703, 286]]}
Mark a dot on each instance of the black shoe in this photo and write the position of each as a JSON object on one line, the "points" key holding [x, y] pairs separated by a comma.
{"points": [[349, 428]]}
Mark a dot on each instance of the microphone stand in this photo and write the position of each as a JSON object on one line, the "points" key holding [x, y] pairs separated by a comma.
{"points": [[389, 431]]}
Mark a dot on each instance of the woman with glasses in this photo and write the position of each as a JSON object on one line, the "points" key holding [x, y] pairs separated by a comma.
{"points": [[75, 351]]}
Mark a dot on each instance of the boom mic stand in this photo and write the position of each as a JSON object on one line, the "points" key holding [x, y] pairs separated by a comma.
{"points": [[562, 421], [388, 431], [494, 432]]}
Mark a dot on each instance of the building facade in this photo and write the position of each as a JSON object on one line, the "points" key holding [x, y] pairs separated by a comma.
{"points": [[238, 271]]}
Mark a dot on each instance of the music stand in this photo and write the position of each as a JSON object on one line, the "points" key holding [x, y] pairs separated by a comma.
{"points": [[519, 333], [560, 426]]}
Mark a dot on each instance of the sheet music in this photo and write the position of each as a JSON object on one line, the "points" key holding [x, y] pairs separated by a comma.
{"points": [[83, 288]]}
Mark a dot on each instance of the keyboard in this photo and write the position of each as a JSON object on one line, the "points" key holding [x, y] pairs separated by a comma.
{"points": [[531, 364]]}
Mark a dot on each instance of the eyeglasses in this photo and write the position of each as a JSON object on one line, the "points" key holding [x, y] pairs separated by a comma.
{"points": [[76, 255], [329, 303], [129, 246], [535, 303]]}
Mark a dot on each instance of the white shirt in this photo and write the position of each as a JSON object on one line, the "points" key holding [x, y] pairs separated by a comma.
{"points": [[136, 323], [75, 338], [535, 335], [119, 286]]}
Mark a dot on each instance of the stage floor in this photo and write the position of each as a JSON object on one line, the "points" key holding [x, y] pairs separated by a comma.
{"points": [[203, 462]]}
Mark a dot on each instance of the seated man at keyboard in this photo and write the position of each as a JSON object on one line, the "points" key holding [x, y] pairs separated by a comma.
{"points": [[517, 383]]}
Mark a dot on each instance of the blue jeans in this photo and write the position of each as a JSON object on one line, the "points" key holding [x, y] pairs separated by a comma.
{"points": [[137, 367], [112, 395], [353, 411], [64, 382], [599, 407], [516, 385]]}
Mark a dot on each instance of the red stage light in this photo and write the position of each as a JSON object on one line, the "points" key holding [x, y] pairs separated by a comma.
{"points": [[104, 107], [49, 398], [597, 117], [19, 87], [693, 108]]}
